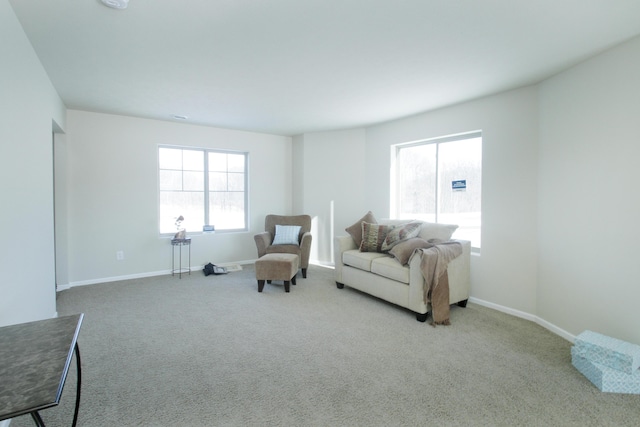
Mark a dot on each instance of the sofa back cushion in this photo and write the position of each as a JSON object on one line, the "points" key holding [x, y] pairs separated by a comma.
{"points": [[428, 231], [437, 231]]}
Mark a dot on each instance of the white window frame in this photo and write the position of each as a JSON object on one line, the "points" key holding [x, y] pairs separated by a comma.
{"points": [[395, 184], [207, 216]]}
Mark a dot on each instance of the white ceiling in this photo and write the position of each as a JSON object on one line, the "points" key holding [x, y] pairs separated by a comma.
{"points": [[293, 66]]}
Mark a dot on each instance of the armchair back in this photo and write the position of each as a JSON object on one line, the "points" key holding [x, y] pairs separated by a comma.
{"points": [[270, 222]]}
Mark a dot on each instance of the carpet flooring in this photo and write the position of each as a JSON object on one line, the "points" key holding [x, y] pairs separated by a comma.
{"points": [[212, 351]]}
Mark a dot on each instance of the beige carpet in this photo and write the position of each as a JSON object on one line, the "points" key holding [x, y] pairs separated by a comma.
{"points": [[212, 351]]}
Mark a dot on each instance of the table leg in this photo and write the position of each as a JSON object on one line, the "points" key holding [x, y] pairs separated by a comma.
{"points": [[78, 386], [37, 419]]}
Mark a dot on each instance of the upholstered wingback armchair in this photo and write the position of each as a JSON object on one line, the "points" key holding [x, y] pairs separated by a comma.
{"points": [[301, 247]]}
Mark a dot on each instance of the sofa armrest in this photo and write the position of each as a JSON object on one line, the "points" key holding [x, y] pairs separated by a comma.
{"points": [[460, 274], [263, 240], [341, 244], [305, 249], [459, 278]]}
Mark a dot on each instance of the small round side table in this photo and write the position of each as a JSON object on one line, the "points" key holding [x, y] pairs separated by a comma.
{"points": [[180, 243]]}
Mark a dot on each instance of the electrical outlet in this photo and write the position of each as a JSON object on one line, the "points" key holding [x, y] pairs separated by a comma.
{"points": [[120, 255]]}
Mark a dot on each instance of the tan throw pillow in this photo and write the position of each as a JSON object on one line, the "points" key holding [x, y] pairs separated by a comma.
{"points": [[373, 236], [355, 231], [403, 250], [400, 233]]}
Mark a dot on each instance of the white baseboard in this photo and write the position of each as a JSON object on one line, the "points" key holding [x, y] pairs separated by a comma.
{"points": [[113, 279], [527, 316], [553, 328], [135, 276]]}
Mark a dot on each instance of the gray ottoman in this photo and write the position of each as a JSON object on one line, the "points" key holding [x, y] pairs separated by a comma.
{"points": [[277, 267]]}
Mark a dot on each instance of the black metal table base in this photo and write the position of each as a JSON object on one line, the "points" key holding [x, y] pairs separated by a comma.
{"points": [[180, 243], [36, 416]]}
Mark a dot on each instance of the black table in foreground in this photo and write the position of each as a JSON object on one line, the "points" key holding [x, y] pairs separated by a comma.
{"points": [[34, 362]]}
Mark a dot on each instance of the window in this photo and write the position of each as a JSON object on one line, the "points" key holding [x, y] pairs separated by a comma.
{"points": [[440, 180], [206, 187]]}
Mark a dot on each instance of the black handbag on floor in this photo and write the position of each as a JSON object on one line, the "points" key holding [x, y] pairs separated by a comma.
{"points": [[208, 269], [214, 269]]}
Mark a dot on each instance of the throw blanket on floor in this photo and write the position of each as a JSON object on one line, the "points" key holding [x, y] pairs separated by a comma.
{"points": [[433, 264]]}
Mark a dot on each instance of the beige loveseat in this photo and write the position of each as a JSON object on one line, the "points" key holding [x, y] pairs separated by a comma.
{"points": [[384, 276]]}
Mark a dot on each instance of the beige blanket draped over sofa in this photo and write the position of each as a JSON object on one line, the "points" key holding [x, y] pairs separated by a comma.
{"points": [[434, 261]]}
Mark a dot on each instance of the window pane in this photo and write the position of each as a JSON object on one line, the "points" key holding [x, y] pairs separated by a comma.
{"points": [[226, 210], [218, 162], [217, 181], [170, 158], [188, 204], [425, 173], [416, 183], [170, 180], [461, 160], [236, 181], [193, 181], [193, 160], [236, 162]]}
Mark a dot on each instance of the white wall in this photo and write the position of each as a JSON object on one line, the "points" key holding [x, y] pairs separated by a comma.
{"points": [[29, 106], [334, 182], [113, 199], [60, 201], [297, 174], [589, 209]]}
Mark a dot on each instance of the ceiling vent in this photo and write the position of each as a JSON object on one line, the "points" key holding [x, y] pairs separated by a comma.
{"points": [[116, 4]]}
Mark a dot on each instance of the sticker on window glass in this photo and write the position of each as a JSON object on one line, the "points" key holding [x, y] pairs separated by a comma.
{"points": [[459, 185]]}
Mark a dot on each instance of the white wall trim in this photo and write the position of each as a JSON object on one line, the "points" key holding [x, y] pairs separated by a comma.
{"points": [[111, 279], [135, 276], [527, 316]]}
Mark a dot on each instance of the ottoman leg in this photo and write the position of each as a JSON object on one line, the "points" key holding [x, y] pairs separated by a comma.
{"points": [[260, 285], [293, 280], [286, 286]]}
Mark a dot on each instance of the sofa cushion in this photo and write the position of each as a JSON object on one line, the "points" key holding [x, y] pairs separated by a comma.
{"points": [[400, 233], [402, 251], [438, 231], [388, 267], [355, 230], [360, 260], [373, 236]]}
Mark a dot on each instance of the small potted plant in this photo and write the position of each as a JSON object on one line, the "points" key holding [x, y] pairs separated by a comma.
{"points": [[182, 233]]}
